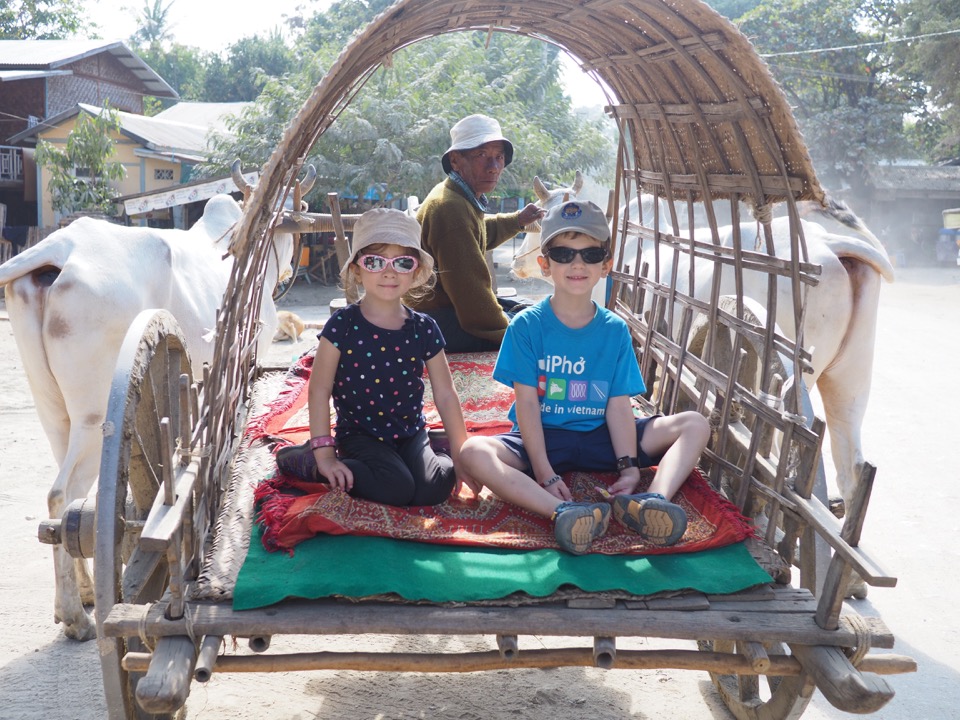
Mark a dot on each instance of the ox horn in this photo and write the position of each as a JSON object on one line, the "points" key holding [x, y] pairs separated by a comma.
{"points": [[306, 185], [239, 180], [540, 189], [577, 183]]}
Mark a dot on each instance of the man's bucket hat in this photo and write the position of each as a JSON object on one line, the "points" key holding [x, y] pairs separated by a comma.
{"points": [[472, 132]]}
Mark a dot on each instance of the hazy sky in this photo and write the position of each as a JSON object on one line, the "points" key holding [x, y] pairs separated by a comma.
{"points": [[215, 24]]}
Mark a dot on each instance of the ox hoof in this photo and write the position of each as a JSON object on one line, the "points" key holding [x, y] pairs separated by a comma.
{"points": [[81, 630], [837, 506]]}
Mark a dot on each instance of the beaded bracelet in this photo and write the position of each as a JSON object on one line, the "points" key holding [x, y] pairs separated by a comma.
{"points": [[321, 441], [552, 481]]}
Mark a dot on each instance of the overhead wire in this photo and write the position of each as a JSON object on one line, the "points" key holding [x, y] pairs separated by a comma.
{"points": [[857, 46]]}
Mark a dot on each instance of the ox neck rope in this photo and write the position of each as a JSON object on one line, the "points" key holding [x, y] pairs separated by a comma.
{"points": [[479, 201]]}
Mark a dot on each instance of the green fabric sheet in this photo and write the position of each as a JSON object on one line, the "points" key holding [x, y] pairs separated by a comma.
{"points": [[357, 566]]}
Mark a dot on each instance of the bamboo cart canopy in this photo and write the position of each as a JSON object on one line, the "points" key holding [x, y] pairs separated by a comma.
{"points": [[702, 110], [700, 120], [699, 114]]}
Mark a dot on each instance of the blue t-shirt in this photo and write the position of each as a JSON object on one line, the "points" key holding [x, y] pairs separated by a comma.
{"points": [[575, 371], [378, 386]]}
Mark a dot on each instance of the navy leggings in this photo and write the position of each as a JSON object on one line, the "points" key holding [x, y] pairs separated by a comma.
{"points": [[409, 474]]}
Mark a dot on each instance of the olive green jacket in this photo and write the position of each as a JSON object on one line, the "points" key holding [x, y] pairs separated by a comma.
{"points": [[458, 235]]}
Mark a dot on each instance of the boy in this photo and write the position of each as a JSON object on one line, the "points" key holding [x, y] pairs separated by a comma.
{"points": [[574, 371]]}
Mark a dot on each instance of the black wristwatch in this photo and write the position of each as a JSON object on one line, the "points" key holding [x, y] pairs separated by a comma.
{"points": [[626, 462]]}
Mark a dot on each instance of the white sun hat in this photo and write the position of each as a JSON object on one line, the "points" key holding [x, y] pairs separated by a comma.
{"points": [[388, 226], [472, 132]]}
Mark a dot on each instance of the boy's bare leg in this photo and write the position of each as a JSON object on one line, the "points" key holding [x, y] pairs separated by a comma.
{"points": [[576, 525], [489, 463], [681, 438]]}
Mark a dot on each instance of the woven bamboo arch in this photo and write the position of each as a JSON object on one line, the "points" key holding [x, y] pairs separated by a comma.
{"points": [[699, 114]]}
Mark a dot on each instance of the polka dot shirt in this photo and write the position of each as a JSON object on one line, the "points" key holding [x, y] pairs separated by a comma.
{"points": [[378, 386]]}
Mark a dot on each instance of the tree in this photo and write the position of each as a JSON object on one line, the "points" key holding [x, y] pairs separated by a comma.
{"points": [[249, 63], [41, 19], [153, 24], [81, 172], [733, 9], [931, 61], [184, 68], [838, 76], [395, 130]]}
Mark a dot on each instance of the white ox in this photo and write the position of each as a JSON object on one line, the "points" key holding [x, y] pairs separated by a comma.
{"points": [[71, 299], [841, 315]]}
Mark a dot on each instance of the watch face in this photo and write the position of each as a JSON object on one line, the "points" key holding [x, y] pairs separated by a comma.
{"points": [[626, 462]]}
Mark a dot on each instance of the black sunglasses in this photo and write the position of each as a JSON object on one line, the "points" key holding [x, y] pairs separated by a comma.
{"points": [[565, 255]]}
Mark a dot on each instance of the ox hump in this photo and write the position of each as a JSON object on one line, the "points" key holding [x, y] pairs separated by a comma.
{"points": [[220, 215]]}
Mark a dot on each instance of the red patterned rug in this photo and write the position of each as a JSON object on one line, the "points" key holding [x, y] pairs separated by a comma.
{"points": [[291, 510], [485, 402]]}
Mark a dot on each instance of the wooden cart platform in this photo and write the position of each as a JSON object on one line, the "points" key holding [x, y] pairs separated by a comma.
{"points": [[702, 124]]}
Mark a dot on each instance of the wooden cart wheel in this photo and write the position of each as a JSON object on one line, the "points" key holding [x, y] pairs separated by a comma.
{"points": [[760, 697], [145, 390]]}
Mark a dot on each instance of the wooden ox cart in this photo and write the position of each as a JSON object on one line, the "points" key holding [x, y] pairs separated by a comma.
{"points": [[700, 120]]}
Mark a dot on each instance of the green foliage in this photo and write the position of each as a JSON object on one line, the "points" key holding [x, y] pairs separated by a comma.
{"points": [[733, 9], [250, 62], [80, 172], [41, 19], [847, 102], [335, 27], [394, 131], [153, 24], [934, 61], [184, 68]]}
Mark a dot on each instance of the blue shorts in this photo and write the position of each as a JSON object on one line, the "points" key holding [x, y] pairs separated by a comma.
{"points": [[577, 450]]}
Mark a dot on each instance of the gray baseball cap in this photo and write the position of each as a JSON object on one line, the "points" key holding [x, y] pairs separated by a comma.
{"points": [[583, 217]]}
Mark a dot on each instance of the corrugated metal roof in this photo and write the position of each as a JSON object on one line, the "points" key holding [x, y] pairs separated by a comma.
{"points": [[922, 177], [212, 115], [156, 134], [55, 54], [11, 75], [161, 135]]}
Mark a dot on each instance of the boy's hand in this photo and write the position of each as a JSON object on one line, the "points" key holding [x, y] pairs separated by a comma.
{"points": [[627, 483], [336, 473], [557, 487]]}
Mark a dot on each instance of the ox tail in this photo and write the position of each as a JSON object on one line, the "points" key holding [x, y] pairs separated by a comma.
{"points": [[44, 255], [849, 248], [839, 211]]}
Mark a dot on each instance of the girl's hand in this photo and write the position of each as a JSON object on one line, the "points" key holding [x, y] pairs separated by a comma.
{"points": [[336, 473], [462, 480]]}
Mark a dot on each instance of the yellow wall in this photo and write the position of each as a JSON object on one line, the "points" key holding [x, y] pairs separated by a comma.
{"points": [[139, 171]]}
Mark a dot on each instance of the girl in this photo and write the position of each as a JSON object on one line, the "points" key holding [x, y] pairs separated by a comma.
{"points": [[370, 360]]}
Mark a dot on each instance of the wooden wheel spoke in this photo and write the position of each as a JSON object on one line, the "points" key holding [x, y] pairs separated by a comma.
{"points": [[146, 390], [760, 697], [146, 471]]}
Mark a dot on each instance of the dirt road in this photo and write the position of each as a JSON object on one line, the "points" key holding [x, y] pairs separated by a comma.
{"points": [[910, 434]]}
